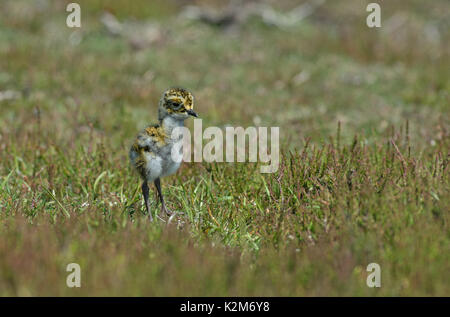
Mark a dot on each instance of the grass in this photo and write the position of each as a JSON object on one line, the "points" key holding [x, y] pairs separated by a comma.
{"points": [[364, 173]]}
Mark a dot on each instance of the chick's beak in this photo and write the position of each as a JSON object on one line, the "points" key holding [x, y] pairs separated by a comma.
{"points": [[192, 113]]}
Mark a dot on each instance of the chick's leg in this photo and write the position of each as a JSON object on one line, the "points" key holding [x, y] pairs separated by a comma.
{"points": [[145, 191], [161, 198]]}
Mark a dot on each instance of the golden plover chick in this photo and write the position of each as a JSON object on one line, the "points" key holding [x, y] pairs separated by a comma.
{"points": [[151, 153]]}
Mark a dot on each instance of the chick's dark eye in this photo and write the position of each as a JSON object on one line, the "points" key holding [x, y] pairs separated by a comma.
{"points": [[176, 105]]}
